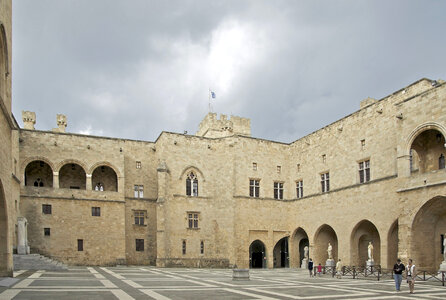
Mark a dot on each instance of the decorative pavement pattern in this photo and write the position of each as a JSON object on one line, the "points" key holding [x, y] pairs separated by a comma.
{"points": [[127, 283]]}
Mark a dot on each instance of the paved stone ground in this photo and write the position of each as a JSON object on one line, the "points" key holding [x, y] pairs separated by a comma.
{"points": [[163, 284]]}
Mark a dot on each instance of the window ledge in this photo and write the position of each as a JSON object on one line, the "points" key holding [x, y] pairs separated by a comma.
{"points": [[193, 228], [139, 225]]}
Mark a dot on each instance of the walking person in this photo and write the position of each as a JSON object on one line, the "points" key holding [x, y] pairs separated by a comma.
{"points": [[398, 269], [410, 275], [310, 267], [339, 269]]}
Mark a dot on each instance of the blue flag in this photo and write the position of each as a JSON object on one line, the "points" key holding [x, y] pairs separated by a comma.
{"points": [[213, 95]]}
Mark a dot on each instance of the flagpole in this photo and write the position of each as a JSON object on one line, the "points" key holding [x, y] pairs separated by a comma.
{"points": [[209, 97]]}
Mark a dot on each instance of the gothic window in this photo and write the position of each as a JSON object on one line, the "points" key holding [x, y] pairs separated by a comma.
{"points": [[99, 187], [278, 190], [38, 182], [254, 188], [325, 182], [441, 161], [192, 185]]}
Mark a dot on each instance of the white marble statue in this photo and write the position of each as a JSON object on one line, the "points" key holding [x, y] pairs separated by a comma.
{"points": [[330, 251], [444, 248], [370, 251], [306, 252]]}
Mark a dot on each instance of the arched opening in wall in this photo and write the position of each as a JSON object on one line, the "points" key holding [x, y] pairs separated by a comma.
{"points": [[257, 255], [299, 241], [104, 178], [428, 228], [392, 245], [363, 234], [3, 62], [72, 176], [3, 232], [428, 152], [280, 254], [39, 174], [324, 235]]}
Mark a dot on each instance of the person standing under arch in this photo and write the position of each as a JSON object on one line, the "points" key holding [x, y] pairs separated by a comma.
{"points": [[410, 275]]}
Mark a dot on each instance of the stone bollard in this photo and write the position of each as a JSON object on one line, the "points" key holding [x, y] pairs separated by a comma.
{"points": [[240, 274]]}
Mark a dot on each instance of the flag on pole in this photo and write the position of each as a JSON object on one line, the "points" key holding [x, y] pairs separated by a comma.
{"points": [[213, 95]]}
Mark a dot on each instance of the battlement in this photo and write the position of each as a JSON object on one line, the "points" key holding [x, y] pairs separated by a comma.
{"points": [[213, 127]]}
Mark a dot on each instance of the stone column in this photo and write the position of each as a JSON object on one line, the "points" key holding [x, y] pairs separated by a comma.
{"points": [[55, 180], [22, 236], [88, 184]]}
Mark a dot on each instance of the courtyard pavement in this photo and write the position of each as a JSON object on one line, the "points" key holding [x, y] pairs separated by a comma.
{"points": [[164, 284]]}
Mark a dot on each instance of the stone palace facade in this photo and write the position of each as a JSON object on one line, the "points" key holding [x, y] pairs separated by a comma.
{"points": [[221, 198]]}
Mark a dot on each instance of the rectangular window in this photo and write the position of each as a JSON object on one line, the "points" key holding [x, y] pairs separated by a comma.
{"points": [[254, 188], [138, 165], [279, 169], [46, 231], [278, 190], [192, 220], [140, 215], [254, 166], [184, 247], [202, 247], [80, 245], [300, 189], [364, 171], [139, 245], [139, 191], [324, 158], [362, 144], [96, 211], [46, 209], [325, 182]]}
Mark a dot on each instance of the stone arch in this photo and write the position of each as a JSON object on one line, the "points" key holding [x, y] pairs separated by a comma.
{"points": [[425, 145], [72, 176], [324, 234], [59, 166], [298, 241], [104, 178], [104, 163], [189, 169], [25, 162], [363, 233], [257, 254], [427, 228], [392, 244], [38, 174], [281, 254], [5, 268]]}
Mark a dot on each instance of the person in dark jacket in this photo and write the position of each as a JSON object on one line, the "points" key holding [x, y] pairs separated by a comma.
{"points": [[310, 267], [398, 269]]}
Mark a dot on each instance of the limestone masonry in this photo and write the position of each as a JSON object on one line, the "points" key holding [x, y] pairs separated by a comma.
{"points": [[222, 198]]}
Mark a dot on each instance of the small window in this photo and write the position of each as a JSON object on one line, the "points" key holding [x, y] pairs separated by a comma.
{"points": [[364, 171], [140, 215], [139, 245], [192, 185], [192, 219], [362, 144], [38, 183], [325, 182], [298, 167], [96, 211], [324, 158], [46, 231], [184, 247], [278, 190], [254, 188], [139, 191], [202, 247], [99, 187], [80, 245], [254, 166], [279, 169], [300, 189], [441, 162], [46, 209], [138, 165]]}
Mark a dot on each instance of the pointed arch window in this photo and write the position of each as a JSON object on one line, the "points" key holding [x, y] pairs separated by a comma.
{"points": [[192, 185]]}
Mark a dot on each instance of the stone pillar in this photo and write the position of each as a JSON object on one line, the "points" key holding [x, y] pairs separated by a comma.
{"points": [[55, 180], [22, 236], [88, 184]]}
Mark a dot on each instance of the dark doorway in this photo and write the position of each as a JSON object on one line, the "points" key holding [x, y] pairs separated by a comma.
{"points": [[281, 257], [257, 255]]}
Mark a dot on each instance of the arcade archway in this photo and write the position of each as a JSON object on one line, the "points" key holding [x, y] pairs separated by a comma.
{"points": [[363, 233], [324, 235], [280, 253], [257, 255], [299, 242]]}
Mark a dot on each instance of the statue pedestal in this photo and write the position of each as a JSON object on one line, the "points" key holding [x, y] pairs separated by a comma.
{"points": [[443, 266], [370, 263], [330, 263], [304, 264]]}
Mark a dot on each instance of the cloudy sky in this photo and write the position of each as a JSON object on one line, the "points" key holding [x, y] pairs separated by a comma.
{"points": [[134, 68]]}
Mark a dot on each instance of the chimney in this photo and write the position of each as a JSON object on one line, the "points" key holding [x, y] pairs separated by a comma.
{"points": [[61, 123], [29, 119]]}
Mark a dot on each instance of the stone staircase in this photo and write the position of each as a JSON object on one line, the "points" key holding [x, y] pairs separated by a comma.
{"points": [[37, 262]]}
